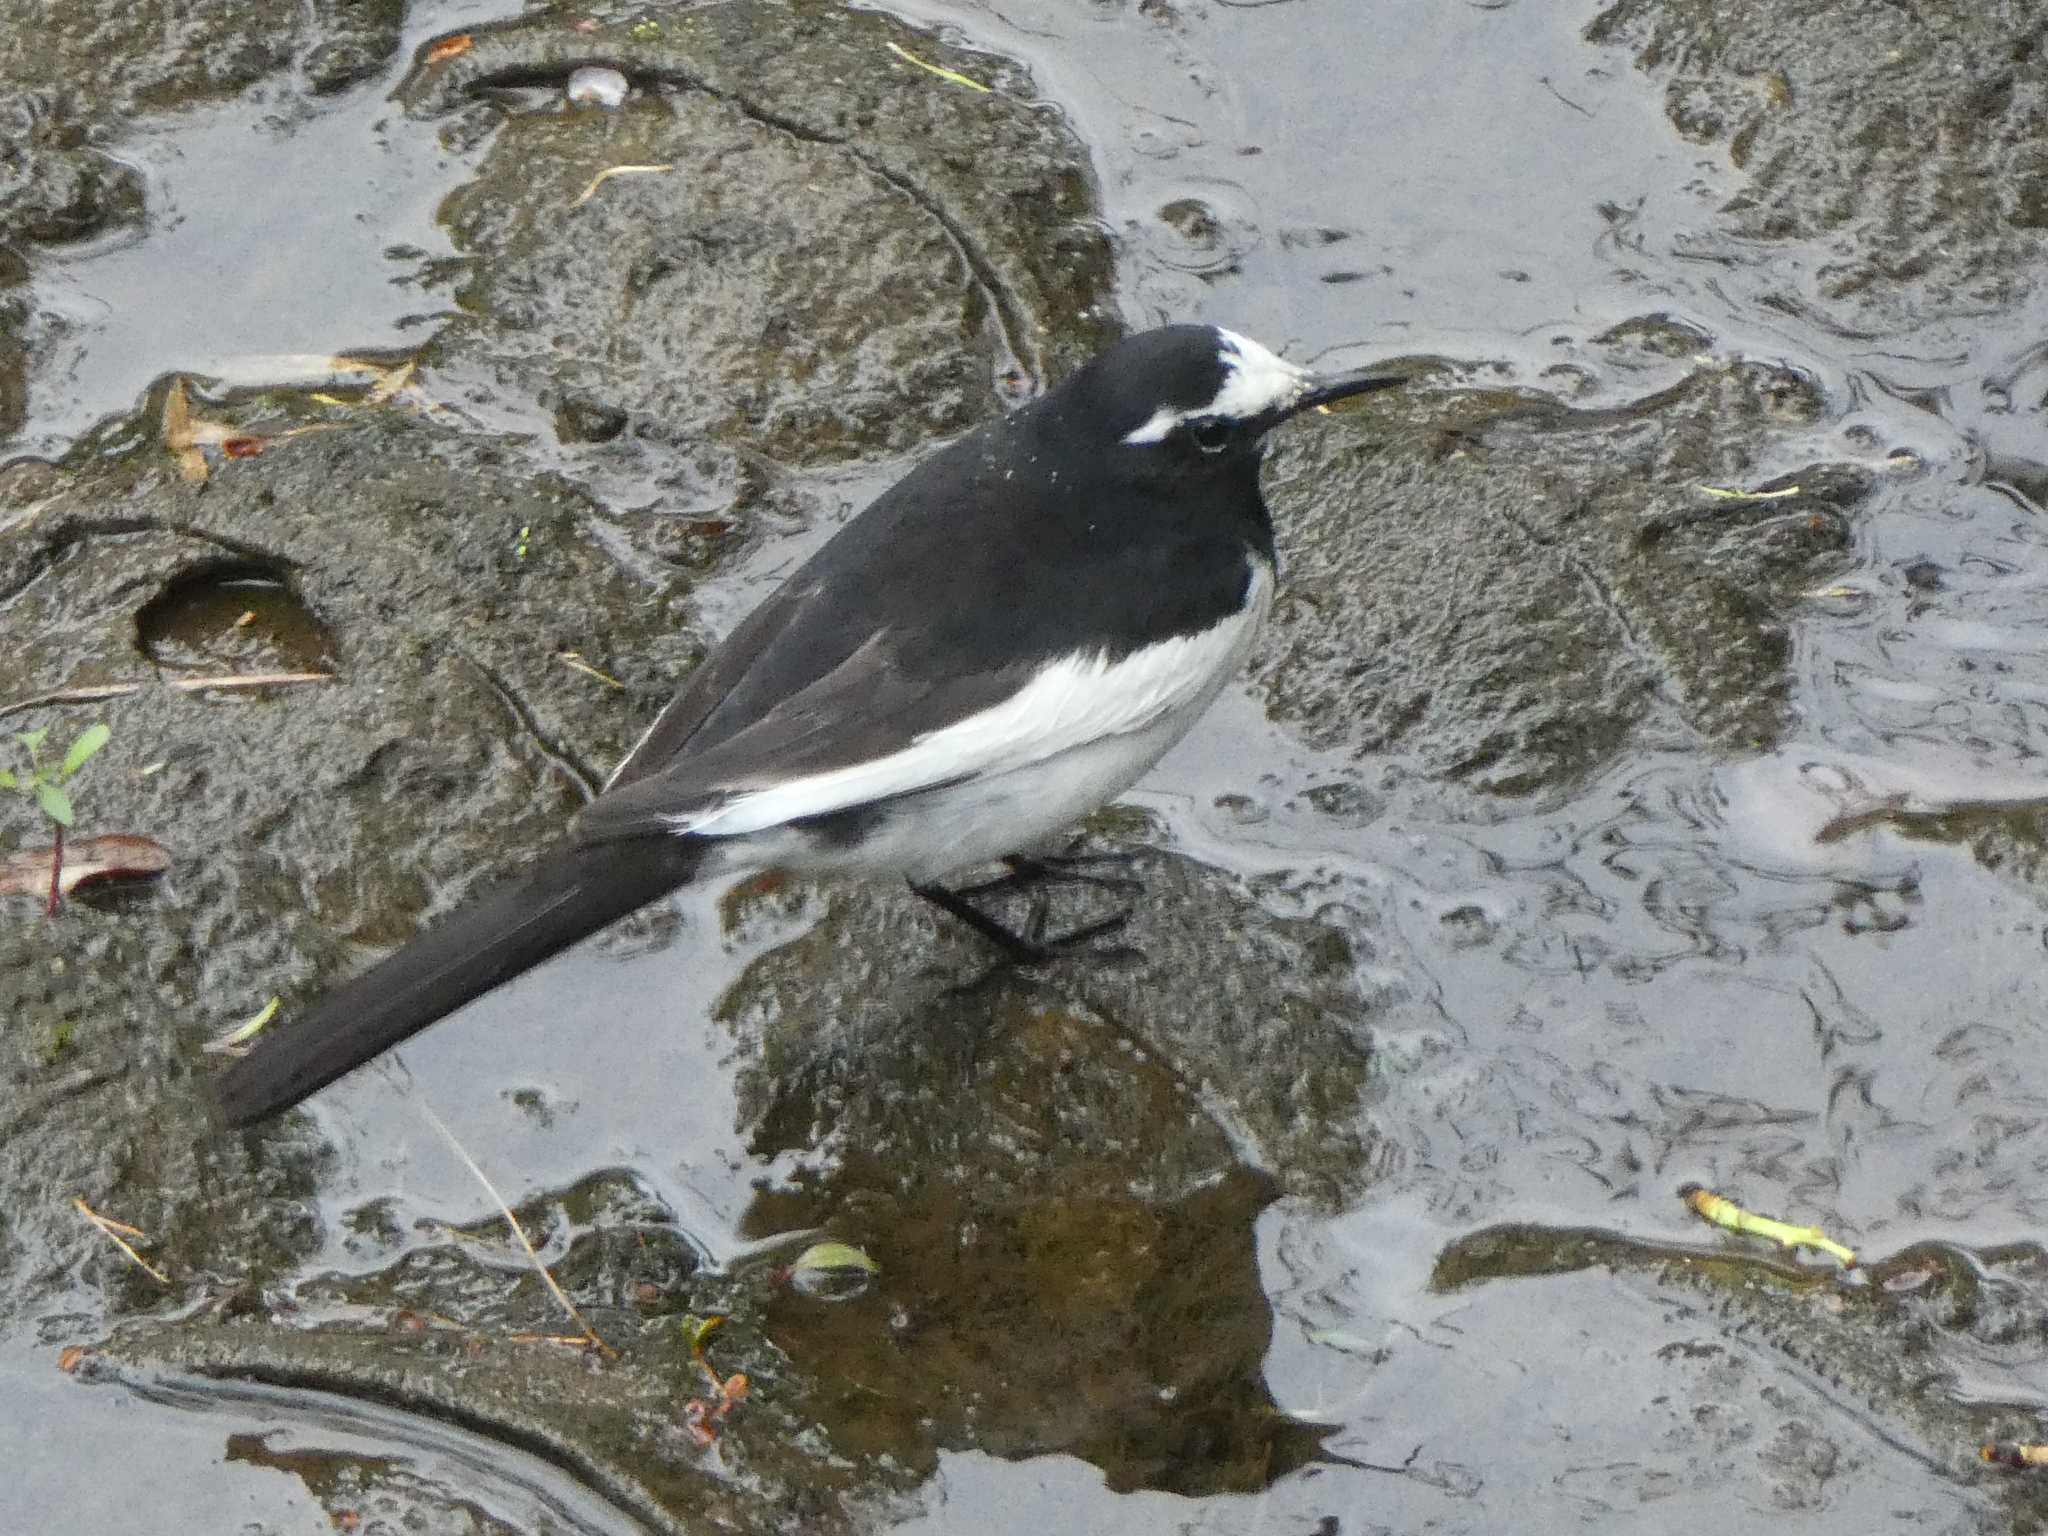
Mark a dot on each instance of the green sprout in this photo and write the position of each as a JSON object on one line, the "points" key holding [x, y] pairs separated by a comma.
{"points": [[44, 784], [63, 1035]]}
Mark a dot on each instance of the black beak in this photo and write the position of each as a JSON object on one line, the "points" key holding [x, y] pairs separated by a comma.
{"points": [[1331, 387]]}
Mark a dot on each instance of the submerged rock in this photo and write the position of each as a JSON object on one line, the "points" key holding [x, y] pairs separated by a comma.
{"points": [[137, 58], [1061, 1178], [1907, 146], [1506, 589], [305, 822], [788, 237]]}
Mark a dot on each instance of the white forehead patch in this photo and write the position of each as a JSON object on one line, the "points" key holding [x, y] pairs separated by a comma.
{"points": [[1254, 382]]}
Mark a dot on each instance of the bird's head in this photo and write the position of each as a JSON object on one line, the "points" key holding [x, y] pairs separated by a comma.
{"points": [[1183, 397]]}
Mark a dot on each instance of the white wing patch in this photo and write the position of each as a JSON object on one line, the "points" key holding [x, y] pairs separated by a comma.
{"points": [[1254, 382], [1073, 702]]}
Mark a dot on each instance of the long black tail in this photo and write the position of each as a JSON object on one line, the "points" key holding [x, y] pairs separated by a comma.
{"points": [[571, 891]]}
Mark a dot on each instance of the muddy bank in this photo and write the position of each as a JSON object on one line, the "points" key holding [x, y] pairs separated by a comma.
{"points": [[307, 824]]}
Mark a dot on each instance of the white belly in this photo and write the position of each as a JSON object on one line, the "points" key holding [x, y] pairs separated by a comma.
{"points": [[924, 836], [1004, 804]]}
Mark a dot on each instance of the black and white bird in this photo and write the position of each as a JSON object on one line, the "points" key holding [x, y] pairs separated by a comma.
{"points": [[1003, 641]]}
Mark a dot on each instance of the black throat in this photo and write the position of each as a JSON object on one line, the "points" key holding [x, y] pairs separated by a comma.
{"points": [[1154, 544]]}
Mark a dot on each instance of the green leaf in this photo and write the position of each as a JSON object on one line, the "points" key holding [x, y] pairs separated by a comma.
{"points": [[89, 741], [832, 1272], [33, 740], [836, 1256], [236, 1041], [696, 1330], [55, 803], [8, 780]]}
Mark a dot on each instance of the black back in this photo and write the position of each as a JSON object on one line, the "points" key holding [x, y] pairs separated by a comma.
{"points": [[1038, 535]]}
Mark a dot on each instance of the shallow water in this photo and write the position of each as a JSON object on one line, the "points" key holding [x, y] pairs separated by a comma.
{"points": [[1758, 971]]}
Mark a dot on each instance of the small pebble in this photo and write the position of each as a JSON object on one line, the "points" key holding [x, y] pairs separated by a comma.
{"points": [[595, 86]]}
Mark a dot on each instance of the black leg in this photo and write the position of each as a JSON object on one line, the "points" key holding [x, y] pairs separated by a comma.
{"points": [[1020, 949], [1060, 869], [957, 906], [1073, 869]]}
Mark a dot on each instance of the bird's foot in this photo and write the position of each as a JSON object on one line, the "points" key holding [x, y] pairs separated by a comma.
{"points": [[1026, 870], [1032, 947]]}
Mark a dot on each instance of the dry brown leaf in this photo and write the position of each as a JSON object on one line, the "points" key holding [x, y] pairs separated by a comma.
{"points": [[2018, 1456], [177, 429], [390, 382], [113, 856], [177, 419], [185, 434], [93, 693], [450, 48], [182, 429], [71, 1358]]}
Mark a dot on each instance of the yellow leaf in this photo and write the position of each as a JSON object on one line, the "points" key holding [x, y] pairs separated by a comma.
{"points": [[951, 76], [1723, 1212]]}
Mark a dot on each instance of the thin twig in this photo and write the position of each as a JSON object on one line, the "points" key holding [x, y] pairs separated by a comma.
{"points": [[93, 693], [575, 659], [518, 1231], [609, 172], [113, 1230], [1731, 493]]}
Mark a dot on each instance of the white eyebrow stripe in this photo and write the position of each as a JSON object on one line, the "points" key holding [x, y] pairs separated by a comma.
{"points": [[1254, 382], [1156, 426]]}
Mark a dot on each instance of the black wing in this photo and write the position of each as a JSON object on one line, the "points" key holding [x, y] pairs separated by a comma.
{"points": [[867, 708], [991, 558]]}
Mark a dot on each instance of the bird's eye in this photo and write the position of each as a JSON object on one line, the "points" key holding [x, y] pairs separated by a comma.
{"points": [[1212, 436]]}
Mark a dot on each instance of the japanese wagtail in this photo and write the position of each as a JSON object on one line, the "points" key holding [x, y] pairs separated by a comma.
{"points": [[1003, 641]]}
